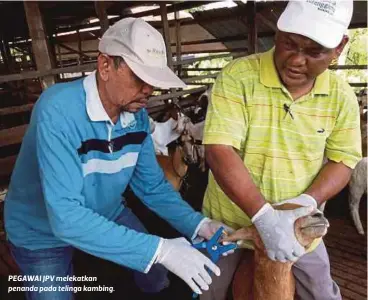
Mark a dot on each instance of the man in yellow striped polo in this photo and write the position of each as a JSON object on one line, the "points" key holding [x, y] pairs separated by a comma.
{"points": [[273, 117]]}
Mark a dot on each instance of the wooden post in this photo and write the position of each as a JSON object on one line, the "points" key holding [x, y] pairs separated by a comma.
{"points": [[101, 13], [40, 45], [50, 29], [80, 54], [252, 27], [60, 56], [6, 54], [165, 27], [178, 41], [269, 23], [80, 59]]}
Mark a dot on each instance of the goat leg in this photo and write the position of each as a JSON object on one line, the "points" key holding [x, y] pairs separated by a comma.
{"points": [[354, 211]]}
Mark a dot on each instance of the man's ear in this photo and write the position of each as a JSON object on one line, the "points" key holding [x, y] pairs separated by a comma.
{"points": [[277, 33], [341, 46], [103, 66]]}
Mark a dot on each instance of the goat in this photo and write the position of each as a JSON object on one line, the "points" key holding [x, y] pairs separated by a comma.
{"points": [[358, 181], [357, 187], [196, 128], [177, 127], [174, 167], [194, 141], [163, 133], [260, 278], [171, 161]]}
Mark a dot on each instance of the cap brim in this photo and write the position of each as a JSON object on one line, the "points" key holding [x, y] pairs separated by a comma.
{"points": [[320, 33], [163, 78]]}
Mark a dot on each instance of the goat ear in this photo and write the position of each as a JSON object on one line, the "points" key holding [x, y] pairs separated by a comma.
{"points": [[245, 233]]}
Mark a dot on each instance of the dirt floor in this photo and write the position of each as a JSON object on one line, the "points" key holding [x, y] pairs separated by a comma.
{"points": [[347, 249]]}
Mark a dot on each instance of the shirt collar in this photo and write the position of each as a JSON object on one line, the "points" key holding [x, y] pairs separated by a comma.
{"points": [[95, 109], [322, 84], [270, 78], [268, 73]]}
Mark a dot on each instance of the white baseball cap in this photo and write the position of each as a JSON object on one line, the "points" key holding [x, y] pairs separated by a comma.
{"points": [[143, 49], [323, 21]]}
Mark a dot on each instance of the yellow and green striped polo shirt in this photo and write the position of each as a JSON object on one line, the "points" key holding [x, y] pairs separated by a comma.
{"points": [[283, 151]]}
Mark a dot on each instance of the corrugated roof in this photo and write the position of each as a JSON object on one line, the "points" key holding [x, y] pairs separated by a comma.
{"points": [[232, 22]]}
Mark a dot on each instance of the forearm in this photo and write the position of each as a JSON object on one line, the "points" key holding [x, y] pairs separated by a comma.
{"points": [[168, 204], [234, 178], [90, 232], [149, 184], [331, 179]]}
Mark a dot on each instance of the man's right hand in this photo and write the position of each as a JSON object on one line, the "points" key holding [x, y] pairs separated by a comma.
{"points": [[276, 229], [179, 257]]}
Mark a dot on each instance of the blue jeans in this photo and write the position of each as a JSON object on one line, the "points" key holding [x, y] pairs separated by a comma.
{"points": [[58, 262]]}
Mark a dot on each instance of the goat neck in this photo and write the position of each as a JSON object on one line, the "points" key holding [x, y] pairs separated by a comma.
{"points": [[273, 280], [174, 167]]}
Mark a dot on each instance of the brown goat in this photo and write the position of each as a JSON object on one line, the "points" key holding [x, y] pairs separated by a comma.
{"points": [[258, 277], [174, 167]]}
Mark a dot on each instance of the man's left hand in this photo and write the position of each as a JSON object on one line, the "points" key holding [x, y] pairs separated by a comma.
{"points": [[208, 229]]}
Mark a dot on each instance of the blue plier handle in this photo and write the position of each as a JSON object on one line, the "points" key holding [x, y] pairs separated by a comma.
{"points": [[214, 248]]}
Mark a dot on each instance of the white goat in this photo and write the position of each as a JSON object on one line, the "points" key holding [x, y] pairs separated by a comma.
{"points": [[196, 132], [163, 133], [358, 181], [357, 187]]}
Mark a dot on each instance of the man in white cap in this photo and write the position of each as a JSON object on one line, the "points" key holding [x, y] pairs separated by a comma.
{"points": [[273, 117], [87, 141]]}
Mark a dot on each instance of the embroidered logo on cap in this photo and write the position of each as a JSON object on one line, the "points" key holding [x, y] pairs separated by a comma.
{"points": [[155, 52], [328, 6]]}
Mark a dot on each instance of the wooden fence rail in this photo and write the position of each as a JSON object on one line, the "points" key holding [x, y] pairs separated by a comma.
{"points": [[12, 135]]}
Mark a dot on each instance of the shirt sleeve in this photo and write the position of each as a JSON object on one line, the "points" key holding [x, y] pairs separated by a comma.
{"points": [[150, 185], [70, 220], [344, 143], [226, 119]]}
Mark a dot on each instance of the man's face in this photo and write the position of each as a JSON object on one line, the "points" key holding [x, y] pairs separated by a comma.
{"points": [[124, 89], [299, 60]]}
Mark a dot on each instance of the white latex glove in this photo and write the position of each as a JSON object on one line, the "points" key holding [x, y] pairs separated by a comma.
{"points": [[208, 229], [276, 229], [303, 200], [179, 257]]}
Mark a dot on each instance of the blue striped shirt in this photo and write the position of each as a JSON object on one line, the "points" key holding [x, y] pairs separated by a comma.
{"points": [[74, 165]]}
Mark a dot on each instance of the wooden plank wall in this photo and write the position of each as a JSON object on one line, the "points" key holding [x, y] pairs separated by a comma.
{"points": [[10, 140]]}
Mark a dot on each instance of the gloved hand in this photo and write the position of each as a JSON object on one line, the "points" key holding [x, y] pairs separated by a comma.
{"points": [[276, 229], [179, 257], [303, 200], [209, 227]]}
